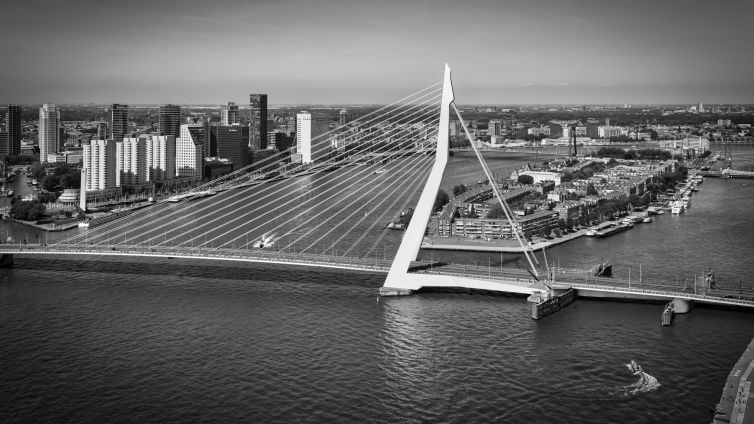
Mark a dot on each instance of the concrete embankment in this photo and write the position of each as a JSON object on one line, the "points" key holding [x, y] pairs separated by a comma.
{"points": [[49, 227], [505, 246], [735, 404]]}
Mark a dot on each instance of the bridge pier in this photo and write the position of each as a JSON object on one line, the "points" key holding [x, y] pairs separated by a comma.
{"points": [[682, 306], [6, 260], [542, 308]]}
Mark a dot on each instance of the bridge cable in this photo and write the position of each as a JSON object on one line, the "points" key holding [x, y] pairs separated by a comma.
{"points": [[493, 184], [409, 166], [176, 211], [364, 171]]}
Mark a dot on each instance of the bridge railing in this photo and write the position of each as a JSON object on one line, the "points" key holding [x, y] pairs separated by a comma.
{"points": [[664, 293], [256, 255], [495, 276]]}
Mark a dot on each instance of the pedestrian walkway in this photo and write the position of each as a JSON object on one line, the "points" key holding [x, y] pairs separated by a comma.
{"points": [[735, 406]]}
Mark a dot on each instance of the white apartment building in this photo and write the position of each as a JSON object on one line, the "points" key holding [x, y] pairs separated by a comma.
{"points": [[160, 153], [607, 131], [99, 163], [308, 128], [304, 136], [189, 152], [49, 130], [130, 161]]}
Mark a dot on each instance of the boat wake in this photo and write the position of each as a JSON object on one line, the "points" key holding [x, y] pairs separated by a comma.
{"points": [[645, 384]]}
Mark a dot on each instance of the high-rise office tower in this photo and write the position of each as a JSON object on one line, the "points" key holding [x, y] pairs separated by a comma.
{"points": [[99, 163], [494, 127], [343, 117], [119, 122], [230, 114], [231, 144], [49, 130], [4, 142], [699, 108], [160, 151], [199, 126], [189, 152], [11, 145], [258, 121], [309, 145], [130, 161], [102, 131], [170, 120]]}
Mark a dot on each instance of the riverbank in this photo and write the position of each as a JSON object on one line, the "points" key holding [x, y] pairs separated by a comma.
{"points": [[503, 245], [734, 402], [49, 227]]}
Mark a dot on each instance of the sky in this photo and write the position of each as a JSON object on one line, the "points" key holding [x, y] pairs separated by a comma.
{"points": [[377, 51]]}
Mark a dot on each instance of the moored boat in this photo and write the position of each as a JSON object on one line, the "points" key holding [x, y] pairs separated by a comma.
{"points": [[613, 229]]}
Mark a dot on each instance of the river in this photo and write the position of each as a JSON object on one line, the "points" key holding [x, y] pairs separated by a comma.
{"points": [[109, 340]]}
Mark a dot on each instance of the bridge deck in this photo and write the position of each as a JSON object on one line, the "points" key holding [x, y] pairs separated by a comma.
{"points": [[505, 280]]}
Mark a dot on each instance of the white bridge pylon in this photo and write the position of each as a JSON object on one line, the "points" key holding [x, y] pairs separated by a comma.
{"points": [[398, 280], [401, 282]]}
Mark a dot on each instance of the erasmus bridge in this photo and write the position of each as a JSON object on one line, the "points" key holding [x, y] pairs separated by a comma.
{"points": [[333, 212]]}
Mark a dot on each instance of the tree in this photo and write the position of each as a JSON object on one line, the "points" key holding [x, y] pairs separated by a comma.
{"points": [[590, 190], [495, 211], [441, 200], [50, 182], [525, 179], [37, 170], [28, 211], [459, 189], [572, 196], [48, 197], [61, 169], [611, 152], [71, 180]]}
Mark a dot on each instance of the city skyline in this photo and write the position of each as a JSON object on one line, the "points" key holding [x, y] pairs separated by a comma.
{"points": [[337, 52]]}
